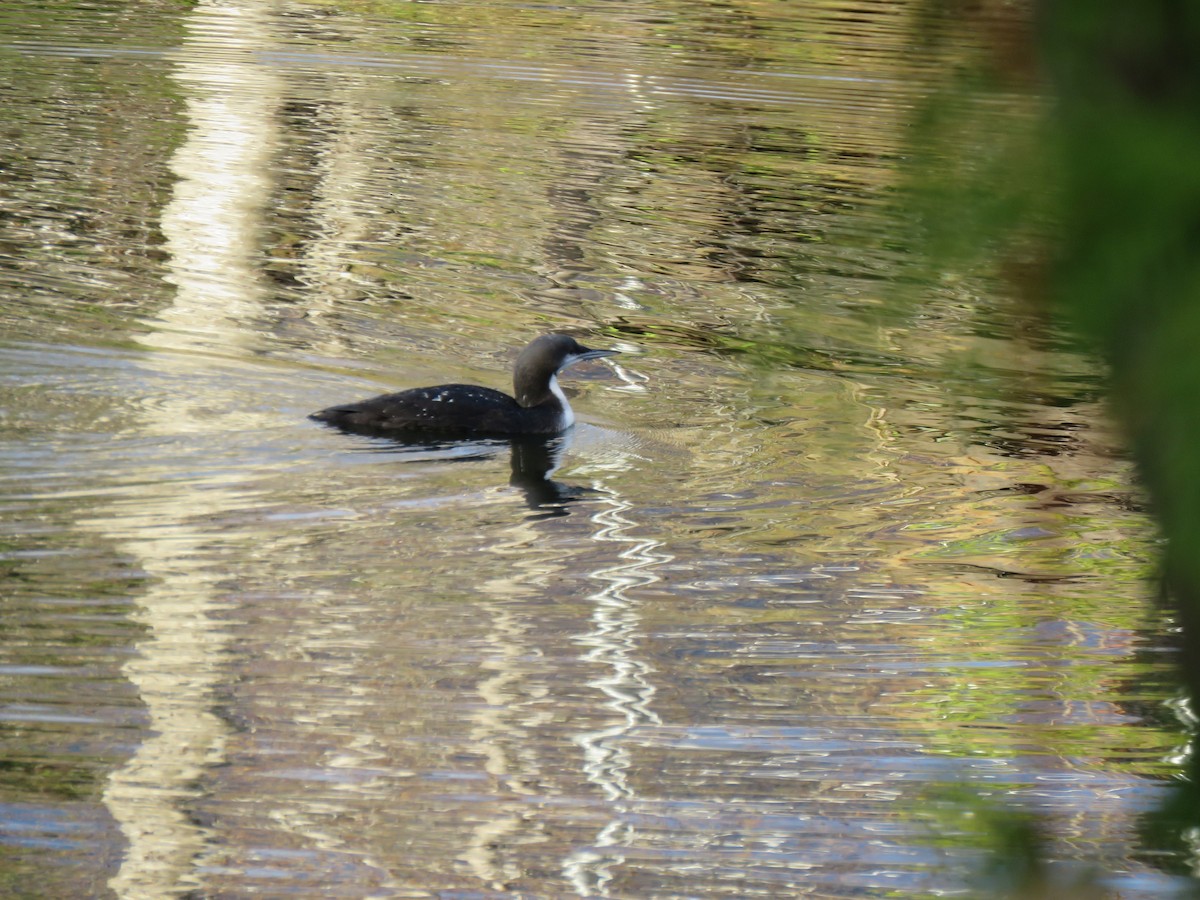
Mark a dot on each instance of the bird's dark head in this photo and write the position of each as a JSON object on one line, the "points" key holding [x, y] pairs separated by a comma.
{"points": [[534, 371]]}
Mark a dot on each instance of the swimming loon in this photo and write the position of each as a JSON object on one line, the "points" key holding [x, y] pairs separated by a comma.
{"points": [[540, 407]]}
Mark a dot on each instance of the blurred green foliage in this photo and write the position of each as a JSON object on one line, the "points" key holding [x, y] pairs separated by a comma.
{"points": [[1088, 203], [1127, 273]]}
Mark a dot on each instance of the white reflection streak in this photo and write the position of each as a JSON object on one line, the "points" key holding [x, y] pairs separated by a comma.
{"points": [[210, 226], [501, 731], [628, 691]]}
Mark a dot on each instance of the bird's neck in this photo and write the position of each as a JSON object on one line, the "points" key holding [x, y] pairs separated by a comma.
{"points": [[544, 395]]}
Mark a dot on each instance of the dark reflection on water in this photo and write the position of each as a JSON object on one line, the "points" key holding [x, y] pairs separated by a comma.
{"points": [[807, 559], [533, 460]]}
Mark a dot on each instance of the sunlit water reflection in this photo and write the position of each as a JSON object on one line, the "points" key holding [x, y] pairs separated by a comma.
{"points": [[809, 558]]}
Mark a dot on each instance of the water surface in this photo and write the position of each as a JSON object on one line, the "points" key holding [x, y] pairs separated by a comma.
{"points": [[811, 558]]}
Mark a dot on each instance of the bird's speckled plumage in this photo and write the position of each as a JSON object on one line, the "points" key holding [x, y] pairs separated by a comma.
{"points": [[539, 407]]}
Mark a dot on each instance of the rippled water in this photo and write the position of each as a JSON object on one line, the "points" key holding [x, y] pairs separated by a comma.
{"points": [[812, 561]]}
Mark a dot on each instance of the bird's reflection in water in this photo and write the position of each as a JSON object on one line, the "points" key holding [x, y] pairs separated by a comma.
{"points": [[534, 459]]}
